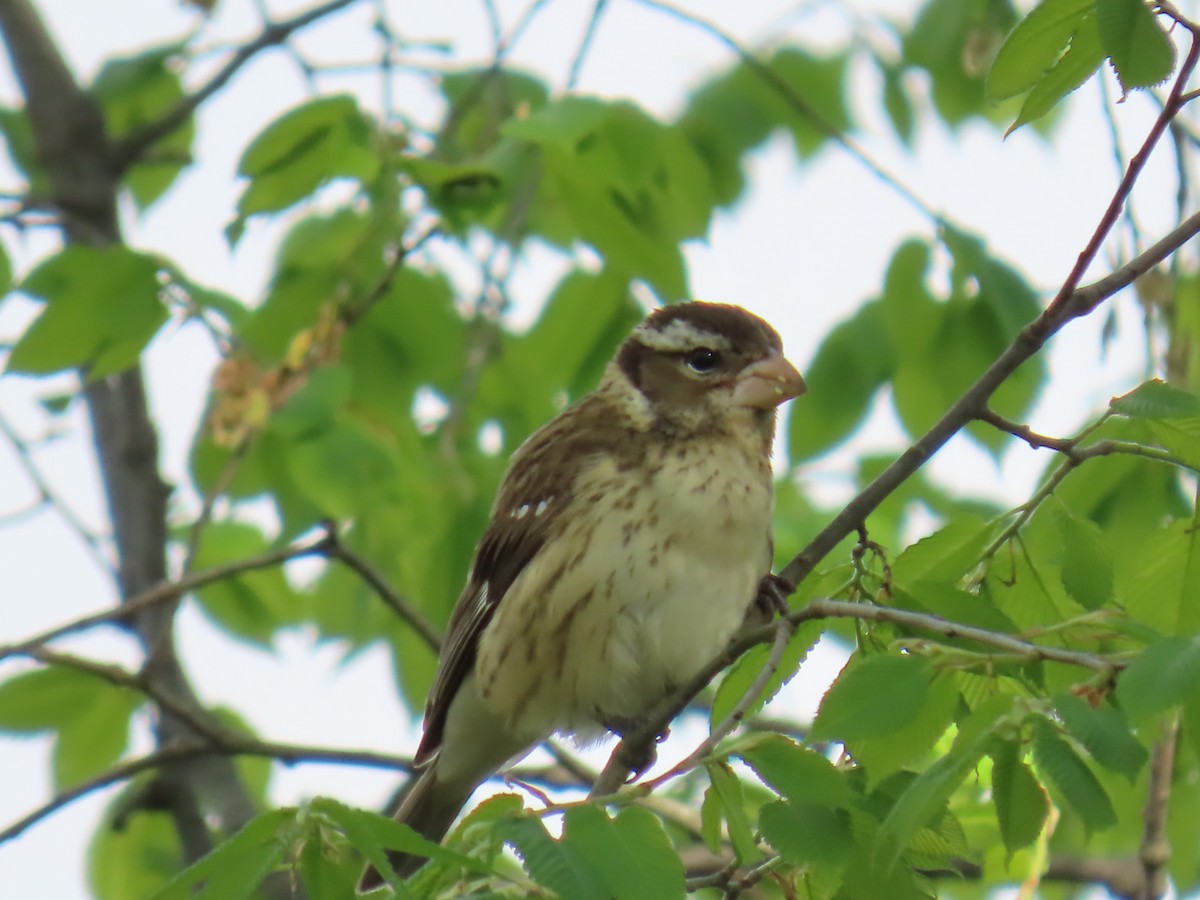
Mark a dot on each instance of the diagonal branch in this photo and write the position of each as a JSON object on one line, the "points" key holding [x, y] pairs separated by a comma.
{"points": [[130, 148]]}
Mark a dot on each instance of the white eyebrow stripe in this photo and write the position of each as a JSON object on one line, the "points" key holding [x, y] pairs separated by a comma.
{"points": [[678, 335]]}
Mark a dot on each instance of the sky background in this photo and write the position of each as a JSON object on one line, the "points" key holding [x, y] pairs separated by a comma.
{"points": [[805, 246]]}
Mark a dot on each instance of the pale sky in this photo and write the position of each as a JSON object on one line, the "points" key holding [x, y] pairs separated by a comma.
{"points": [[804, 248]]}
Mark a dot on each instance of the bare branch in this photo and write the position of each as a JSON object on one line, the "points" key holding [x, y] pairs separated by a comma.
{"points": [[1155, 851]]}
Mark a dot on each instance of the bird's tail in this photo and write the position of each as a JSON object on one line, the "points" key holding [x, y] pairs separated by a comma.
{"points": [[428, 806]]}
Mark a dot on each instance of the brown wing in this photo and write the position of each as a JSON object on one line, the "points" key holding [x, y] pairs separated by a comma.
{"points": [[535, 492]]}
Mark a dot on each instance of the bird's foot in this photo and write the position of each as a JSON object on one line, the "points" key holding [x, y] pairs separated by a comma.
{"points": [[636, 756], [772, 597]]}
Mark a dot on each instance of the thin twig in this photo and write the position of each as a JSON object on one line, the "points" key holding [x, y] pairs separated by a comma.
{"points": [[784, 630], [165, 592], [48, 495], [335, 549], [585, 44], [634, 745], [129, 149], [230, 745], [800, 106]]}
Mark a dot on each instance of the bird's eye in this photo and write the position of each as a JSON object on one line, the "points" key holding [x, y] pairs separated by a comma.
{"points": [[703, 360]]}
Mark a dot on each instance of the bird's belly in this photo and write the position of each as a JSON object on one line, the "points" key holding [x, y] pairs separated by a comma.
{"points": [[604, 632]]}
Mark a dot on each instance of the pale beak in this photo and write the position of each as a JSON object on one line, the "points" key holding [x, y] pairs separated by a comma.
{"points": [[768, 382]]}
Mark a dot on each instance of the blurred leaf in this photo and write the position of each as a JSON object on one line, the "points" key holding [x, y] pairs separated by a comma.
{"points": [[797, 773], [820, 84], [252, 605], [807, 833], [130, 860], [92, 740], [1140, 50], [1087, 561], [1062, 767], [728, 789], [44, 699], [853, 362], [137, 91], [873, 696], [18, 139], [1104, 733], [1163, 675], [235, 869], [557, 865], [314, 143], [631, 852], [1021, 804], [102, 308]]}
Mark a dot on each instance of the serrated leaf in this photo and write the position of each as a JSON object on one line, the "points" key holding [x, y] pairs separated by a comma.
{"points": [[1035, 46], [1157, 400], [1087, 572], [1021, 803], [1140, 50], [807, 833], [798, 773], [947, 554], [1063, 768], [235, 869], [553, 864], [1165, 674], [729, 790], [911, 742], [928, 794], [1104, 733], [873, 696], [632, 851], [742, 674]]}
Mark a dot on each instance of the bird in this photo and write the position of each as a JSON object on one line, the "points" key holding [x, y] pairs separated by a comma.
{"points": [[626, 544]]}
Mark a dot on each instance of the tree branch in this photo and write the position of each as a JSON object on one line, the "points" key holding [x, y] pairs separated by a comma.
{"points": [[129, 149]]}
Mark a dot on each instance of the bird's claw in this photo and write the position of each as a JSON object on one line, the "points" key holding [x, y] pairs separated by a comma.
{"points": [[773, 593]]}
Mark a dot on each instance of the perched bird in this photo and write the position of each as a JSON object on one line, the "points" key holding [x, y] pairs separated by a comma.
{"points": [[625, 547]]}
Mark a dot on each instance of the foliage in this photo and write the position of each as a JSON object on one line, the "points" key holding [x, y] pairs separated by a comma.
{"points": [[1014, 675]]}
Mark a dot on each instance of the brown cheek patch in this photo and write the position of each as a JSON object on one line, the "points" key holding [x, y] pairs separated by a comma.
{"points": [[664, 382]]}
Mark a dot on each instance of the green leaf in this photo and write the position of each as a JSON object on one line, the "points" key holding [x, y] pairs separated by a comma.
{"points": [[1140, 50], [1157, 400], [1021, 804], [1165, 674], [928, 794], [235, 869], [22, 149], [316, 142], [947, 554], [1062, 767], [139, 90], [252, 605], [102, 308], [910, 743], [873, 696], [632, 852], [1077, 65], [711, 817], [729, 789], [130, 862], [796, 772], [1035, 46], [557, 865], [1104, 733], [44, 699], [742, 674], [92, 740], [808, 833], [1087, 571], [821, 84], [853, 362]]}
